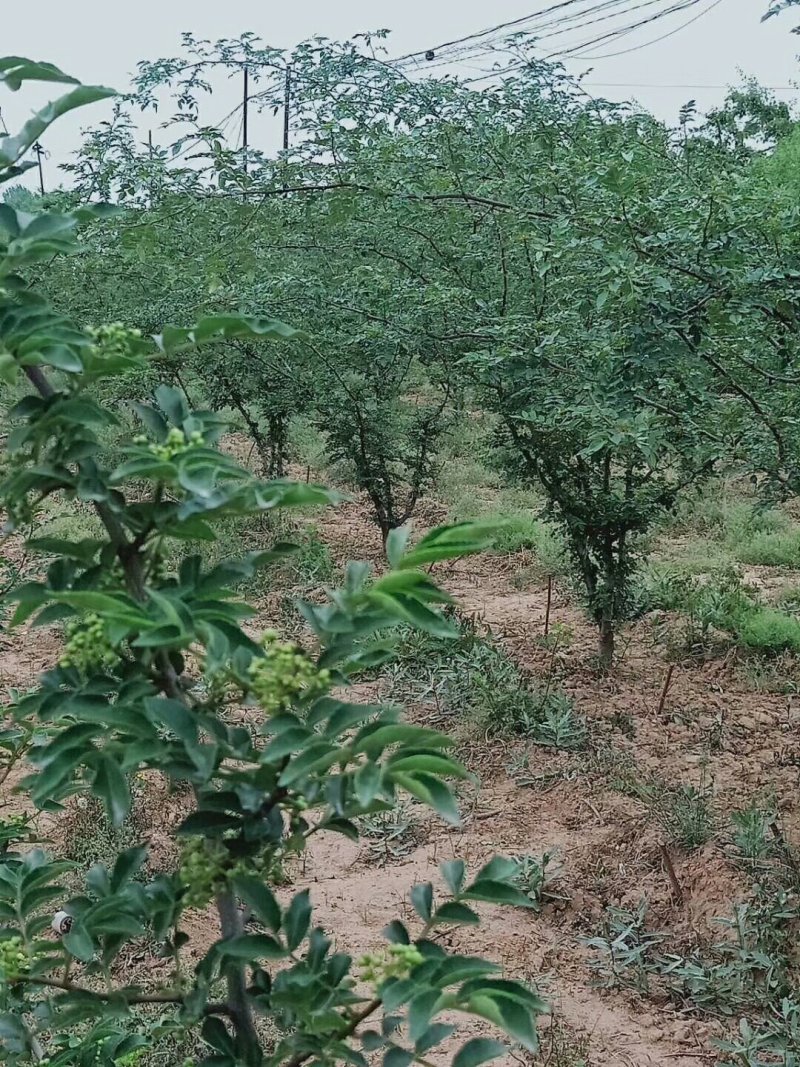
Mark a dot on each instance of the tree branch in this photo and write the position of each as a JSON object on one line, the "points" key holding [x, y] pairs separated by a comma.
{"points": [[214, 1008]]}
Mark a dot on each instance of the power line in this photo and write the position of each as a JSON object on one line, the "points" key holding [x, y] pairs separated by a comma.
{"points": [[674, 85], [655, 40], [485, 33], [623, 31]]}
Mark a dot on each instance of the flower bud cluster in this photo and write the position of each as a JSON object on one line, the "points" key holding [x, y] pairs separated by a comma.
{"points": [[283, 674]]}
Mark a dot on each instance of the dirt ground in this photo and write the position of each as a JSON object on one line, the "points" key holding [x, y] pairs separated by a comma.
{"points": [[714, 731]]}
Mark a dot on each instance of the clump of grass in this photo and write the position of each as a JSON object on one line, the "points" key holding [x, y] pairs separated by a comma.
{"points": [[686, 814], [750, 835], [769, 631], [664, 588], [523, 531], [88, 836], [475, 679], [684, 811], [312, 564], [771, 549], [307, 445], [752, 969]]}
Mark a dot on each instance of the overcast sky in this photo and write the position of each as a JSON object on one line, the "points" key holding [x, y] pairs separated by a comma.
{"points": [[100, 41]]}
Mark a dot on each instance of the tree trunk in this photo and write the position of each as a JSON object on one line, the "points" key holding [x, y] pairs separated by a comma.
{"points": [[606, 646]]}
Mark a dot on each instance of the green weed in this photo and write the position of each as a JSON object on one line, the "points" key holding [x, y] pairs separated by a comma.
{"points": [[750, 835], [390, 834], [686, 815], [769, 631], [533, 878], [474, 678], [778, 549]]}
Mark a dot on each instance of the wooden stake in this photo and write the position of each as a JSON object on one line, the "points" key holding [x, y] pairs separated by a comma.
{"points": [[549, 601], [665, 690], [673, 878]]}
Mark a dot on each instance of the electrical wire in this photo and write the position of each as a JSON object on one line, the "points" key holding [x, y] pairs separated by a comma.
{"points": [[623, 31], [655, 40]]}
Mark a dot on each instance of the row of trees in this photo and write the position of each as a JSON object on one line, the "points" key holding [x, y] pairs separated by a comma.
{"points": [[621, 296], [152, 665]]}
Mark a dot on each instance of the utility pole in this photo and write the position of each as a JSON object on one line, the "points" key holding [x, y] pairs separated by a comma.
{"points": [[287, 100], [39, 153], [245, 98]]}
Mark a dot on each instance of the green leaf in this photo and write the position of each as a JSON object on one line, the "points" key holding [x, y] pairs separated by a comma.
{"points": [[367, 783], [78, 942], [453, 911], [11, 148], [421, 1009], [397, 1057], [376, 740], [422, 900], [453, 872], [126, 866], [252, 947], [396, 544], [212, 823], [429, 763], [14, 70], [317, 757], [478, 1050], [215, 1034], [257, 896], [516, 1020], [433, 1036], [433, 792], [297, 919], [213, 328], [111, 785], [493, 892]]}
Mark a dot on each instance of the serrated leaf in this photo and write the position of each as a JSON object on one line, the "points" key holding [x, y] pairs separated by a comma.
{"points": [[453, 911], [297, 920], [453, 872], [478, 1050], [260, 899], [422, 900]]}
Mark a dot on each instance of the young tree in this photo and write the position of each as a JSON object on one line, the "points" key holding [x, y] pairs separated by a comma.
{"points": [[151, 664]]}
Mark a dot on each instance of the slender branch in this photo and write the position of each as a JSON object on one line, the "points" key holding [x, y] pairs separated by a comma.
{"points": [[214, 1008], [344, 1033]]}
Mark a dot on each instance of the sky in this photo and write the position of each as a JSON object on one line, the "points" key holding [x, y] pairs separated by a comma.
{"points": [[100, 41]]}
